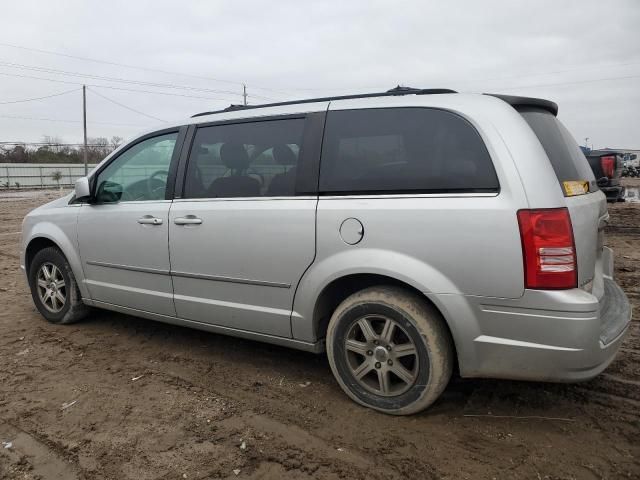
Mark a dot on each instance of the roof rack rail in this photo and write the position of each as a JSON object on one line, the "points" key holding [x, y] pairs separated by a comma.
{"points": [[389, 93]]}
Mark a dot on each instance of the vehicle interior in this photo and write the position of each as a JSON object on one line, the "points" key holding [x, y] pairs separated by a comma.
{"points": [[244, 160]]}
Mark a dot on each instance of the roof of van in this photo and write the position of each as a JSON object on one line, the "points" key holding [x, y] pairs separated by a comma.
{"points": [[512, 100]]}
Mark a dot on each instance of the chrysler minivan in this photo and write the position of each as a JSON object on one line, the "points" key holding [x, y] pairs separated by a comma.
{"points": [[407, 234]]}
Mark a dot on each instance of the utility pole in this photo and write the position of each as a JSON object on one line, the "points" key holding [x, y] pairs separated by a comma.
{"points": [[84, 123], [244, 93]]}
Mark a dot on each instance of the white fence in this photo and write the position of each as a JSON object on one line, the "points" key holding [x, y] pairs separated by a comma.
{"points": [[39, 175]]}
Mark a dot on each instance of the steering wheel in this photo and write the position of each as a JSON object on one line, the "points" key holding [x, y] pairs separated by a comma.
{"points": [[152, 190]]}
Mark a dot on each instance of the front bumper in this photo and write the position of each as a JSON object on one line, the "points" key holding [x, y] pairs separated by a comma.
{"points": [[562, 335]]}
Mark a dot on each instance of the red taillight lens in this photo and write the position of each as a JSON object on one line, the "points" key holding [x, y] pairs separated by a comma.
{"points": [[608, 165], [548, 249]]}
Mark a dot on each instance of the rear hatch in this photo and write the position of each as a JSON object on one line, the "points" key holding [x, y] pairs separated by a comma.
{"points": [[588, 211]]}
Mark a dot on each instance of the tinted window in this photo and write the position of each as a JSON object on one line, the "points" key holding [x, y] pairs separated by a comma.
{"points": [[567, 159], [139, 173], [403, 149], [244, 159]]}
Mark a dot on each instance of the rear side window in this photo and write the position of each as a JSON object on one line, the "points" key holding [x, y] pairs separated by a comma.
{"points": [[568, 161], [250, 159], [395, 150]]}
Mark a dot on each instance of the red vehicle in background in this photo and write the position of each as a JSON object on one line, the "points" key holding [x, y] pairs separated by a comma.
{"points": [[607, 168]]}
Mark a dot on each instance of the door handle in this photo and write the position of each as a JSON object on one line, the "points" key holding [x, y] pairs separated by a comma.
{"points": [[187, 220], [150, 220]]}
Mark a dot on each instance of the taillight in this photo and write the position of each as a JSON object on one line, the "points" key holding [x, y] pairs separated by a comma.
{"points": [[608, 165], [548, 249]]}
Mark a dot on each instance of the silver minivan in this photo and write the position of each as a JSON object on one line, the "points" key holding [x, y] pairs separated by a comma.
{"points": [[408, 234]]}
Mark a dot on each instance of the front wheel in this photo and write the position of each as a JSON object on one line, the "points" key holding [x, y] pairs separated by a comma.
{"points": [[390, 350], [54, 289]]}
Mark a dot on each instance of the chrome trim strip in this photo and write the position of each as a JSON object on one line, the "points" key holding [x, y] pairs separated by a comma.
{"points": [[246, 199], [518, 343], [409, 195], [128, 267], [520, 312], [199, 276], [221, 278]]}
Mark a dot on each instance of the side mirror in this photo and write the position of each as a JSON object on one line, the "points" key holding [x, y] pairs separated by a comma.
{"points": [[82, 189], [603, 181]]}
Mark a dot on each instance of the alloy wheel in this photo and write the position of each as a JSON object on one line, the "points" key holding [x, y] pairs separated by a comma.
{"points": [[381, 355], [52, 289]]}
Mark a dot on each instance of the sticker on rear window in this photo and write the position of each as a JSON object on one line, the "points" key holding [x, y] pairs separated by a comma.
{"points": [[575, 187]]}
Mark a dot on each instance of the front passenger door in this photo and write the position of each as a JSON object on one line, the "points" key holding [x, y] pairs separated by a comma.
{"points": [[123, 234]]}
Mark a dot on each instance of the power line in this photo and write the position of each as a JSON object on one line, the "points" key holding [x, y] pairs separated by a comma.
{"points": [[578, 82], [553, 72], [115, 88], [112, 79], [106, 62], [39, 98], [61, 120], [126, 81], [127, 107], [137, 67]]}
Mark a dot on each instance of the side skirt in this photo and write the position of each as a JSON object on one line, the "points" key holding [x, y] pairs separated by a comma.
{"points": [[317, 347]]}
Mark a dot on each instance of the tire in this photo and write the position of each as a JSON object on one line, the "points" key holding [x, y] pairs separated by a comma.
{"points": [[396, 381], [53, 309]]}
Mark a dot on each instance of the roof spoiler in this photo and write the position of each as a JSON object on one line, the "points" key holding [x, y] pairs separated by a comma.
{"points": [[516, 101]]}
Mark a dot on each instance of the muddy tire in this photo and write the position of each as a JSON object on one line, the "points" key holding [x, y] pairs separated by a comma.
{"points": [[390, 350], [54, 288]]}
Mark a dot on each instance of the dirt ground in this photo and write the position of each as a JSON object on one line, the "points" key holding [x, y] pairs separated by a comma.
{"points": [[124, 398]]}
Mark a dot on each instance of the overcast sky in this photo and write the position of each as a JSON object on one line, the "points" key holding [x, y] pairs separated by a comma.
{"points": [[584, 55]]}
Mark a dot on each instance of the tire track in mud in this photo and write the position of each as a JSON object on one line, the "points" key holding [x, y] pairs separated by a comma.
{"points": [[201, 395], [29, 456]]}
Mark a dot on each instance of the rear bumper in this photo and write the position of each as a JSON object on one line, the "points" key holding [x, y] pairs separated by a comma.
{"points": [[563, 336]]}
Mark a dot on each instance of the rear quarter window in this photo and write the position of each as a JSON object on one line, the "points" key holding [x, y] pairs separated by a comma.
{"points": [[397, 150], [567, 160]]}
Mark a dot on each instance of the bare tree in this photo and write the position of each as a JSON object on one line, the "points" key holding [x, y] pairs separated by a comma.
{"points": [[115, 142], [57, 176]]}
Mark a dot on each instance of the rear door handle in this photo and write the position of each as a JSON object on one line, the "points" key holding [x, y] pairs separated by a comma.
{"points": [[150, 220], [187, 220]]}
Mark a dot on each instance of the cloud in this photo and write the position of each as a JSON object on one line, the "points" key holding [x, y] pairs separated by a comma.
{"points": [[292, 49]]}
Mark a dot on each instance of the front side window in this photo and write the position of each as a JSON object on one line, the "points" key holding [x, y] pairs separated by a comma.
{"points": [[139, 173], [251, 159], [403, 150]]}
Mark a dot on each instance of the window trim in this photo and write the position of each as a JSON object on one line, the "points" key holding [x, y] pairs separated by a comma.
{"points": [[180, 130], [417, 191], [308, 159]]}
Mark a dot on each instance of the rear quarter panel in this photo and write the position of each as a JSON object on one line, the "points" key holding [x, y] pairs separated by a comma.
{"points": [[456, 244]]}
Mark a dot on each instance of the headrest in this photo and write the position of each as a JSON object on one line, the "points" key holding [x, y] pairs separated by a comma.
{"points": [[283, 155], [234, 156]]}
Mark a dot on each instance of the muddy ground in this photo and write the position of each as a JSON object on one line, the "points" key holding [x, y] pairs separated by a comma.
{"points": [[123, 398]]}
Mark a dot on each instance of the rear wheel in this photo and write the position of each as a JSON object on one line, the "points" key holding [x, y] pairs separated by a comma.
{"points": [[390, 350], [54, 289]]}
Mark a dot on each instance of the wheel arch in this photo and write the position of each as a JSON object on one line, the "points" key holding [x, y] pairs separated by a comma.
{"points": [[342, 287], [332, 279], [40, 239]]}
